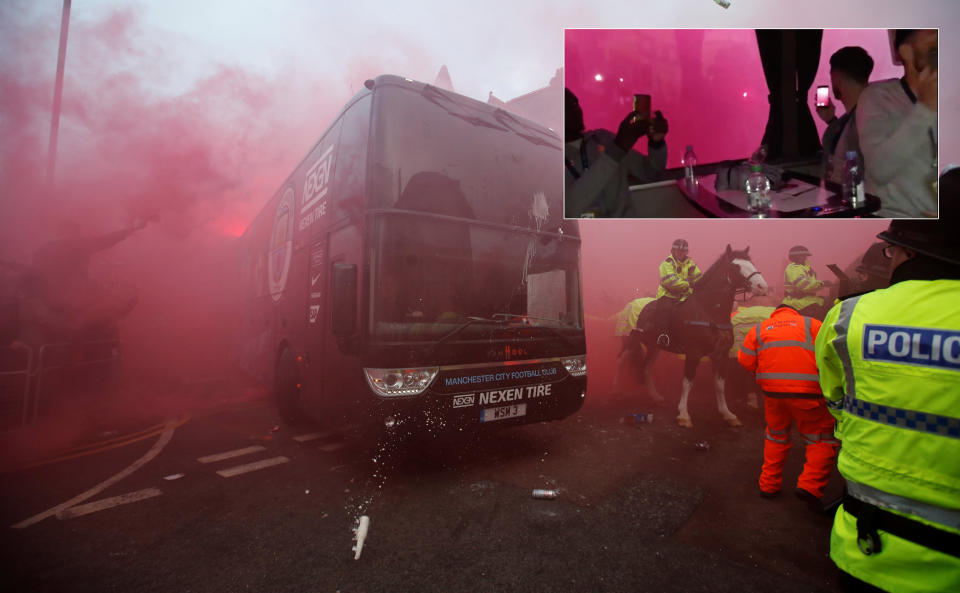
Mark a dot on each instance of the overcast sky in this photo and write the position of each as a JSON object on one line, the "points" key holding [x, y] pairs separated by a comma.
{"points": [[505, 46], [205, 106]]}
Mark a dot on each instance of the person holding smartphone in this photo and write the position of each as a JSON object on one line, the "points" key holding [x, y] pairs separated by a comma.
{"points": [[850, 69], [897, 128], [600, 164]]}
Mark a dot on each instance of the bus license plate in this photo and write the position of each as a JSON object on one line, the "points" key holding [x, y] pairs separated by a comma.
{"points": [[504, 412]]}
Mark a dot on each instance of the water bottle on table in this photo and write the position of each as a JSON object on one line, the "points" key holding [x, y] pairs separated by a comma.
{"points": [[758, 192], [853, 193], [759, 156], [689, 161]]}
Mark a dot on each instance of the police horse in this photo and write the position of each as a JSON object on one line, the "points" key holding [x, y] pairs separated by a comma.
{"points": [[697, 327]]}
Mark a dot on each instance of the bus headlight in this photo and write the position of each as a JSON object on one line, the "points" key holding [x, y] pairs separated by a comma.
{"points": [[394, 382], [576, 366]]}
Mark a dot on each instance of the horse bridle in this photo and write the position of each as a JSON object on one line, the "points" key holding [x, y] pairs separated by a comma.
{"points": [[746, 288]]}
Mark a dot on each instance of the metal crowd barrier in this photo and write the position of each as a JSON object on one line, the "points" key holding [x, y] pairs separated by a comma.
{"points": [[54, 358], [24, 385], [15, 386]]}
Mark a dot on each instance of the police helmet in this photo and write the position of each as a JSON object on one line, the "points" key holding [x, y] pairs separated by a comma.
{"points": [[798, 250], [680, 244], [939, 238], [874, 263]]}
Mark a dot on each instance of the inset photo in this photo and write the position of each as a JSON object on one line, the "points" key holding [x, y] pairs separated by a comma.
{"points": [[750, 123]]}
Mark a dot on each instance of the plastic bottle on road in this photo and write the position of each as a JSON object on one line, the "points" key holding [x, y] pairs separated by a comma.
{"points": [[757, 187], [689, 161], [853, 192], [544, 494], [637, 419]]}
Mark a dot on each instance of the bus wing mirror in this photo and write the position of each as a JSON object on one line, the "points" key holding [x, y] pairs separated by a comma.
{"points": [[344, 299]]}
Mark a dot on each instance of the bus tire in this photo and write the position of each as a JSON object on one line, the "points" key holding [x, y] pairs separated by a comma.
{"points": [[285, 390]]}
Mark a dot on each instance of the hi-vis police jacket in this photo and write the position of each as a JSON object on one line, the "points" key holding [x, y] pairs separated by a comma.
{"points": [[800, 286], [676, 278], [780, 351], [889, 365]]}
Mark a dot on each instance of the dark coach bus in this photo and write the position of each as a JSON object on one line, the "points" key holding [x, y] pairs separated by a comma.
{"points": [[416, 269]]}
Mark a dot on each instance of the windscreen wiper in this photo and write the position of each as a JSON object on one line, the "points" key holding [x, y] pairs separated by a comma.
{"points": [[507, 317], [470, 321]]}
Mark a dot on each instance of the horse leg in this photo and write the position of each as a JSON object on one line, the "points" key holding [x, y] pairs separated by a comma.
{"points": [[645, 368], [719, 383], [623, 358], [689, 372]]}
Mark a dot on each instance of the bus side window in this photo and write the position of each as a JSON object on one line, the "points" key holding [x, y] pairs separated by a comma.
{"points": [[352, 161]]}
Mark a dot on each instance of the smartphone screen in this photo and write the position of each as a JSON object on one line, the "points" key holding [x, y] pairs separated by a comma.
{"points": [[641, 103], [823, 96]]}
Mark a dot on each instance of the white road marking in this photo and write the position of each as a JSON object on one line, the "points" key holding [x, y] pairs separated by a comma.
{"points": [[231, 454], [251, 467], [331, 447], [107, 503], [153, 452], [303, 438]]}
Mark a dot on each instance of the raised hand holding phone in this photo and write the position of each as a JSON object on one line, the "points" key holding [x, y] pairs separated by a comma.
{"points": [[823, 95]]}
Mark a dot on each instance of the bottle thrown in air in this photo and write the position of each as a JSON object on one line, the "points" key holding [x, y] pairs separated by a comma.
{"points": [[853, 180], [689, 161], [758, 192]]}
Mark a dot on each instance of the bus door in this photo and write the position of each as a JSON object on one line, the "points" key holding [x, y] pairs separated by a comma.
{"points": [[317, 321], [343, 382]]}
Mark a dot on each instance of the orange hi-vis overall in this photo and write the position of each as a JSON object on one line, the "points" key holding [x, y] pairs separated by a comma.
{"points": [[780, 350]]}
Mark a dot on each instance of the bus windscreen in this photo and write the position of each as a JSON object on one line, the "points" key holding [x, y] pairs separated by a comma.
{"points": [[437, 152], [435, 273]]}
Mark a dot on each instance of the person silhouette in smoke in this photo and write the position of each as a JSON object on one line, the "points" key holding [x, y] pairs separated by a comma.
{"points": [[58, 298], [599, 163]]}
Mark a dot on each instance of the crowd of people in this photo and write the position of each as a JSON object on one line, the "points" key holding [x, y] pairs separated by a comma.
{"points": [[874, 388], [890, 124], [872, 384]]}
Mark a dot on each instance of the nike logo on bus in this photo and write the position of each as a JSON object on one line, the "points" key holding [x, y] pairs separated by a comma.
{"points": [[315, 278]]}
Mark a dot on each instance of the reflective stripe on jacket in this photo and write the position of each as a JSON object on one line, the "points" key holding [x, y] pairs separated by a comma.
{"points": [[780, 350], [800, 286], [890, 371], [744, 319], [676, 278]]}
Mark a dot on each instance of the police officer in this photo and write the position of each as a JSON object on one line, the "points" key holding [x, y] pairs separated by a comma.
{"points": [[677, 275], [800, 284], [889, 363], [678, 272]]}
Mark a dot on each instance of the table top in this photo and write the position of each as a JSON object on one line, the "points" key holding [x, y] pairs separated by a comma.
{"points": [[804, 196]]}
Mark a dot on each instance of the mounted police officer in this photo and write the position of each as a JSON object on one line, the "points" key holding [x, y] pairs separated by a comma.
{"points": [[889, 364], [800, 284], [678, 273]]}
